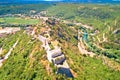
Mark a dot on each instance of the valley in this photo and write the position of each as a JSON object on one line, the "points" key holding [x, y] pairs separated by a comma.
{"points": [[60, 41]]}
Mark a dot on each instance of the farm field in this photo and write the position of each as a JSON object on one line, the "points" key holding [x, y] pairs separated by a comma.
{"points": [[14, 20]]}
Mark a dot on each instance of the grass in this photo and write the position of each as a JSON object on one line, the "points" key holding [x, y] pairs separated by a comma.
{"points": [[88, 68], [1, 20], [21, 65], [14, 20]]}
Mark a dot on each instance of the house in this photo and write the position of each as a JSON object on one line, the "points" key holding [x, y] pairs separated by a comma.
{"points": [[59, 59], [56, 56]]}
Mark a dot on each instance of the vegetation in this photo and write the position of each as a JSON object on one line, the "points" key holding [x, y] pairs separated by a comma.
{"points": [[22, 8], [24, 62], [103, 18], [13, 20], [83, 67], [28, 60]]}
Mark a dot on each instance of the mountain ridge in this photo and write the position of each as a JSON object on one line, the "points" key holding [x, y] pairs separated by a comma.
{"points": [[81, 1]]}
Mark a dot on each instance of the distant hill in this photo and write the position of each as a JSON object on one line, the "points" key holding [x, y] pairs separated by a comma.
{"points": [[39, 1]]}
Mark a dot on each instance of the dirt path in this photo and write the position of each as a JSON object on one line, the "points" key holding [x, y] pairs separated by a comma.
{"points": [[78, 24], [83, 50], [1, 51], [8, 54], [110, 63]]}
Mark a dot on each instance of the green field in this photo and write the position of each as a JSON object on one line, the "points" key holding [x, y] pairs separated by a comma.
{"points": [[1, 20], [14, 20]]}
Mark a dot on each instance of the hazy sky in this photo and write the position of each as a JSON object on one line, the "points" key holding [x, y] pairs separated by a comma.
{"points": [[52, 0]]}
